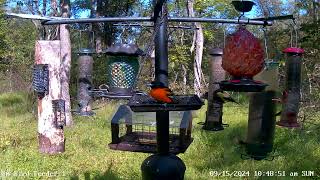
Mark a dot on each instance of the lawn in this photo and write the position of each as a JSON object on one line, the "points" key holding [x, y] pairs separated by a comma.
{"points": [[88, 157]]}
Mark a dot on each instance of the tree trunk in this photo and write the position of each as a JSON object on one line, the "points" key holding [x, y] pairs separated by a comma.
{"points": [[198, 42], [51, 138], [66, 62]]}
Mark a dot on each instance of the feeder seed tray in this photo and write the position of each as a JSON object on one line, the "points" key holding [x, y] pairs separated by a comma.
{"points": [[146, 143], [242, 86], [145, 103]]}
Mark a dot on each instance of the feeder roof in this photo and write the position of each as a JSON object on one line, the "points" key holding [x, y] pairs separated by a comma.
{"points": [[294, 50], [216, 52], [124, 50]]}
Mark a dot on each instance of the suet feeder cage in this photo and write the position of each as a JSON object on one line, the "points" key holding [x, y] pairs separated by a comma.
{"points": [[136, 131], [40, 79], [122, 68], [243, 58], [59, 113]]}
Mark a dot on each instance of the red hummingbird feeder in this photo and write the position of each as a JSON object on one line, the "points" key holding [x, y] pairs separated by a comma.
{"points": [[243, 58]]}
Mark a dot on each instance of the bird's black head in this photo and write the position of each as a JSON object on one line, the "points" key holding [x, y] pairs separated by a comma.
{"points": [[157, 84]]}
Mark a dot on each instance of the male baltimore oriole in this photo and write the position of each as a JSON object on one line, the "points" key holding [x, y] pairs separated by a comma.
{"points": [[160, 92]]}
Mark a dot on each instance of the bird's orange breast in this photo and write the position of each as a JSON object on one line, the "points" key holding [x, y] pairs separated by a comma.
{"points": [[161, 94]]}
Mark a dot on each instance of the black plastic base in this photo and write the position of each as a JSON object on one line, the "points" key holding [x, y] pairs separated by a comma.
{"points": [[163, 166], [243, 85], [258, 151], [213, 126]]}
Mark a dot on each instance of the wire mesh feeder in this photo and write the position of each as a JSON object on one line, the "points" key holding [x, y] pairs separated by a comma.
{"points": [[145, 103], [136, 132], [122, 68]]}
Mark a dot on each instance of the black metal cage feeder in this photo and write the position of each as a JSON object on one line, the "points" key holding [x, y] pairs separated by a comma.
{"points": [[58, 107], [40, 79], [122, 68], [136, 132]]}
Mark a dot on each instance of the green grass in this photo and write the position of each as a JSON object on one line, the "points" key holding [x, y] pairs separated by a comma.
{"points": [[88, 157]]}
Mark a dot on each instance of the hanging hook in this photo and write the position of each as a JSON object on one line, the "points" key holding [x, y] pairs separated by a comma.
{"points": [[265, 42], [242, 14], [294, 24]]}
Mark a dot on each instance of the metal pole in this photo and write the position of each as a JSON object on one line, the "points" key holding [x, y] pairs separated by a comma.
{"points": [[150, 19], [162, 165], [161, 74], [162, 119]]}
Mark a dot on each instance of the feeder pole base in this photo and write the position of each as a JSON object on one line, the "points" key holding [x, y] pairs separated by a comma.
{"points": [[213, 126], [163, 166]]}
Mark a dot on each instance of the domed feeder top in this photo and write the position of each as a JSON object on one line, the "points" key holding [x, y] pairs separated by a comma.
{"points": [[243, 6], [124, 50], [294, 50], [216, 52]]}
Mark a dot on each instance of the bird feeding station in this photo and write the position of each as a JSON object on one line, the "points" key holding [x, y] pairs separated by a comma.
{"points": [[122, 68], [85, 67], [136, 131], [291, 95], [262, 115], [162, 165]]}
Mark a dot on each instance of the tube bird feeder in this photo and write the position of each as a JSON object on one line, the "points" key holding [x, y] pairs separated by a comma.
{"points": [[214, 111], [291, 95], [85, 64], [262, 110], [122, 68]]}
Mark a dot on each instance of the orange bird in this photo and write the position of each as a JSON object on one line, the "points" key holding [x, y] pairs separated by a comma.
{"points": [[160, 92]]}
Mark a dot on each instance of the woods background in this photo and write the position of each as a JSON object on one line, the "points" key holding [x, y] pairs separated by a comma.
{"points": [[188, 57]]}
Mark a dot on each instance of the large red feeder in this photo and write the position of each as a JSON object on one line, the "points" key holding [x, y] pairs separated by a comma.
{"points": [[243, 58]]}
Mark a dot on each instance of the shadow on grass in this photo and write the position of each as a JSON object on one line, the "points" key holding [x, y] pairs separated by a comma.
{"points": [[108, 174]]}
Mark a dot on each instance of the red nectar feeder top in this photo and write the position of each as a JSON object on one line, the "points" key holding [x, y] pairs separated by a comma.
{"points": [[243, 55], [294, 50]]}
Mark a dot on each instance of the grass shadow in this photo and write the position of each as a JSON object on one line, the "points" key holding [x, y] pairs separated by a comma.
{"points": [[107, 175]]}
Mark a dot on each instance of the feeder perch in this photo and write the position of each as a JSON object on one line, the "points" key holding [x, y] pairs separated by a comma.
{"points": [[243, 58], [40, 79], [59, 113], [243, 6], [136, 131], [122, 68], [291, 95], [145, 103]]}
